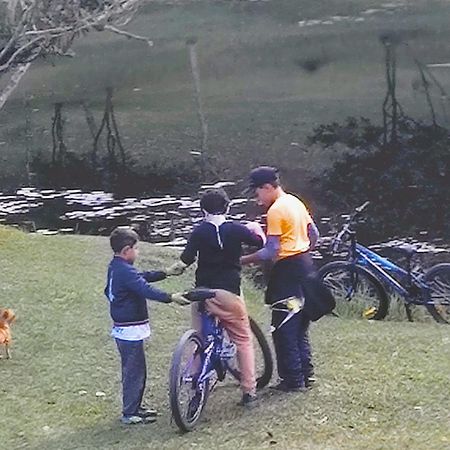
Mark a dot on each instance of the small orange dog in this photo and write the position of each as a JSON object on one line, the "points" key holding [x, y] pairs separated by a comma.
{"points": [[7, 317]]}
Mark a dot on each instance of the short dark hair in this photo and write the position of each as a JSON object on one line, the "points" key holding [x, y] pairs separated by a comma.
{"points": [[122, 237], [215, 201]]}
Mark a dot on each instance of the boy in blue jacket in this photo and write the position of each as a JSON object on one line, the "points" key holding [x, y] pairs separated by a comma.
{"points": [[127, 291]]}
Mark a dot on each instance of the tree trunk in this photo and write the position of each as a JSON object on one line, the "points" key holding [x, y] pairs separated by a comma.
{"points": [[12, 8], [201, 115], [14, 79]]}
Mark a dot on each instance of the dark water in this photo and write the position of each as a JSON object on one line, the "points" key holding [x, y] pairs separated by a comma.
{"points": [[164, 220]]}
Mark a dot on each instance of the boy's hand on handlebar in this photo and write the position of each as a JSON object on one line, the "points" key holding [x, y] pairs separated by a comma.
{"points": [[179, 298], [175, 269]]}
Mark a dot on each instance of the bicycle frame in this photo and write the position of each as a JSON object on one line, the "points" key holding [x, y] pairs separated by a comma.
{"points": [[213, 337], [385, 271], [211, 353]]}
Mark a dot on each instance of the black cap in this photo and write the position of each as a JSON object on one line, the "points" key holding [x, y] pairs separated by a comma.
{"points": [[262, 175]]}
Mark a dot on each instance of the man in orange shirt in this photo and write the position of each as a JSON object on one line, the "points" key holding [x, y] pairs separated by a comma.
{"points": [[291, 234]]}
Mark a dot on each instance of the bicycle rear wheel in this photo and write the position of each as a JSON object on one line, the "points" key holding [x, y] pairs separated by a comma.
{"points": [[357, 292], [438, 280], [263, 358], [187, 396]]}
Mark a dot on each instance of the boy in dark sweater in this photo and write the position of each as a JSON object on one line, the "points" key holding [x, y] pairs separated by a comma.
{"points": [[217, 243], [127, 291]]}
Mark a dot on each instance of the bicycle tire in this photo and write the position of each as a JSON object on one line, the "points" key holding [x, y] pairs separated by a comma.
{"points": [[181, 418], [263, 378], [370, 299], [438, 279]]}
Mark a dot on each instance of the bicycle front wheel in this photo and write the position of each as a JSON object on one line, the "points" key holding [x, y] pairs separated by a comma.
{"points": [[263, 358], [438, 304], [187, 396], [357, 292]]}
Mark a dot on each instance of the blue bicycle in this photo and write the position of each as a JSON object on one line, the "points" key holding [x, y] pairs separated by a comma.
{"points": [[200, 360], [362, 282]]}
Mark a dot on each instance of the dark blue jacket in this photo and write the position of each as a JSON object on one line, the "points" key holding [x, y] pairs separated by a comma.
{"points": [[218, 254], [127, 291]]}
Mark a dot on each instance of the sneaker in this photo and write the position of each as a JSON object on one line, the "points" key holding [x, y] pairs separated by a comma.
{"points": [[249, 401], [145, 412], [134, 420], [284, 386]]}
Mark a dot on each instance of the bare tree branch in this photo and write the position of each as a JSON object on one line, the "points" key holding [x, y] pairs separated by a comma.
{"points": [[16, 75], [129, 35], [19, 52], [35, 28]]}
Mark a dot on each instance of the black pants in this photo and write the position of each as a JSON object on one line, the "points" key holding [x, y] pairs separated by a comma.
{"points": [[134, 375], [291, 340], [292, 348]]}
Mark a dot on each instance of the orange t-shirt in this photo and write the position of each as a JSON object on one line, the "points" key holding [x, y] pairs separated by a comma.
{"points": [[288, 218]]}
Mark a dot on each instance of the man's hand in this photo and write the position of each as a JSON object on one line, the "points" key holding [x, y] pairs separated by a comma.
{"points": [[175, 269], [179, 298], [256, 228]]}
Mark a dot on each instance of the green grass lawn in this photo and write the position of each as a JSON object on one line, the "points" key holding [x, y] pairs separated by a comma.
{"points": [[380, 385], [258, 96]]}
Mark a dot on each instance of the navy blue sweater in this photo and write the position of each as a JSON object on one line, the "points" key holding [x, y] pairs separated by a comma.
{"points": [[218, 265], [127, 291]]}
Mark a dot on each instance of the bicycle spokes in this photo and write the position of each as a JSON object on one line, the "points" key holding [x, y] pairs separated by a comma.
{"points": [[191, 392]]}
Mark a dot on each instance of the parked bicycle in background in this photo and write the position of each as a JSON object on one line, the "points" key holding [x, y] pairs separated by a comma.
{"points": [[363, 282]]}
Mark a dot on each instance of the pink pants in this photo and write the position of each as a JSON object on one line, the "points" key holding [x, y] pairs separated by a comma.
{"points": [[230, 309]]}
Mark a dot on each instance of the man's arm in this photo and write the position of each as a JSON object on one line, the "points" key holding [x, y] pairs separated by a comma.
{"points": [[268, 253], [313, 235]]}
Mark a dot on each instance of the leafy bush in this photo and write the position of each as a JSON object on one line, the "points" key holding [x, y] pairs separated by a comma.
{"points": [[408, 182]]}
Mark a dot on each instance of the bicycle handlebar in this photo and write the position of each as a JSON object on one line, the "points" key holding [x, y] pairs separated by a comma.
{"points": [[346, 228], [199, 294]]}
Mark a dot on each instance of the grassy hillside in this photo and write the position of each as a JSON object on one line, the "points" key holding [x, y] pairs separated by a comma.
{"points": [[271, 71], [381, 385]]}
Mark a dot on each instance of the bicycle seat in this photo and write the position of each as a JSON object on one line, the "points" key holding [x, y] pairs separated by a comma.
{"points": [[200, 294]]}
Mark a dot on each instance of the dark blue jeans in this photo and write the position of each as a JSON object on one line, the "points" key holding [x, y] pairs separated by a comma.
{"points": [[291, 340], [292, 347], [134, 374]]}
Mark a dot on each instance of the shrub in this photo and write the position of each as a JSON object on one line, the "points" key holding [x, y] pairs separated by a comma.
{"points": [[408, 182]]}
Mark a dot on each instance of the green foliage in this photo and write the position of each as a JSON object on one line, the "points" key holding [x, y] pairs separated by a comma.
{"points": [[353, 133], [408, 182]]}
